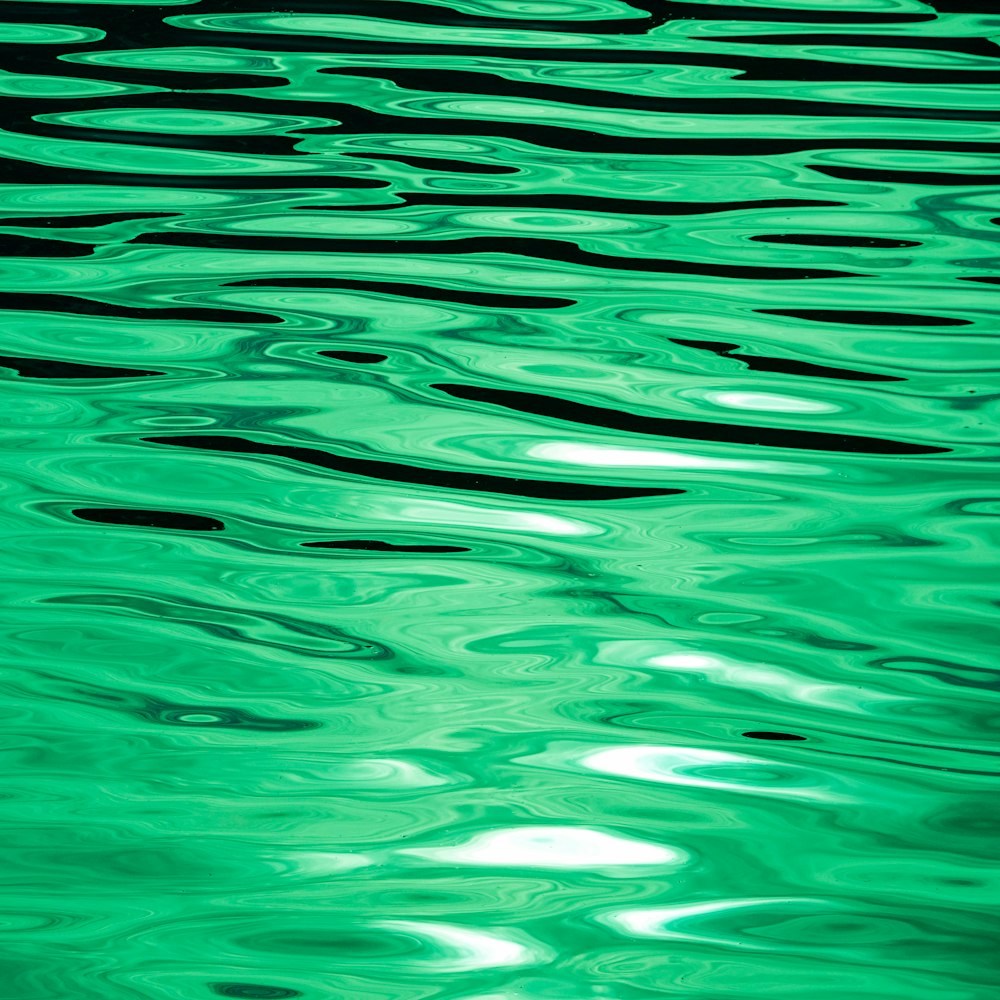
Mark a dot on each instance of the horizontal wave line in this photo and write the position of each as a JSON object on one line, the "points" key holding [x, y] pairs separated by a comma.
{"points": [[77, 303], [938, 178], [783, 366], [698, 430], [583, 203], [47, 368], [490, 300], [542, 249], [473, 83], [440, 478]]}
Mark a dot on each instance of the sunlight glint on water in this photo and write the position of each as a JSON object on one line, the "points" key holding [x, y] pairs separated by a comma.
{"points": [[500, 500]]}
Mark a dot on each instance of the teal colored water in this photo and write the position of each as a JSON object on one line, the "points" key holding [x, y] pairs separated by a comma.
{"points": [[500, 500]]}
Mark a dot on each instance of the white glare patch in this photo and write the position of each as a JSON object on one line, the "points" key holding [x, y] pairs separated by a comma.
{"points": [[462, 949], [665, 922], [703, 767], [608, 456], [776, 682], [684, 661], [443, 512], [551, 847], [769, 402], [322, 863]]}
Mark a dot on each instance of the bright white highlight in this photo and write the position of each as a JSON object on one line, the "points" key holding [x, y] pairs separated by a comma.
{"points": [[668, 922], [444, 512], [462, 949], [609, 456], [769, 402], [551, 847], [702, 767]]}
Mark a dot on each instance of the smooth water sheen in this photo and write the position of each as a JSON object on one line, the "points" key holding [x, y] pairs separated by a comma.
{"points": [[500, 500]]}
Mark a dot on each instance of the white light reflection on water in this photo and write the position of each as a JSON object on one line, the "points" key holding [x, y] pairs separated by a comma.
{"points": [[462, 949], [551, 847], [608, 456]]}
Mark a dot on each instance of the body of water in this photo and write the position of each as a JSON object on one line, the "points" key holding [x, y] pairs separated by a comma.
{"points": [[500, 500]]}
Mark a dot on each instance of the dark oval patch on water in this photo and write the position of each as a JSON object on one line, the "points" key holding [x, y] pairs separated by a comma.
{"points": [[604, 203], [78, 305], [766, 735], [563, 251], [126, 516], [374, 545], [356, 357], [784, 366], [45, 368], [417, 474], [833, 240], [21, 245], [483, 299], [864, 317], [433, 163], [253, 991], [487, 83], [85, 221], [933, 177], [671, 427], [967, 46], [215, 717]]}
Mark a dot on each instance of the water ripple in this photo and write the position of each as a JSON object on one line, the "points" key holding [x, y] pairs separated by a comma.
{"points": [[500, 499]]}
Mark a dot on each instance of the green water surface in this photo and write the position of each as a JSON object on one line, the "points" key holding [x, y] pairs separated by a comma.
{"points": [[499, 500]]}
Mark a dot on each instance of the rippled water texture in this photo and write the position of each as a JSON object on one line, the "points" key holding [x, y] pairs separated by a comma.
{"points": [[500, 500]]}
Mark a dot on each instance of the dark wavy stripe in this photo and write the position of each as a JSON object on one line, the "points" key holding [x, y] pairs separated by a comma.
{"points": [[46, 60], [436, 164], [188, 715], [477, 83], [834, 240], [192, 716], [246, 145], [144, 27], [85, 221], [970, 46], [867, 317], [587, 203], [21, 245], [355, 357], [657, 12], [414, 12], [26, 172], [795, 15], [487, 300], [77, 304], [956, 6], [696, 430], [212, 619], [783, 366], [541, 249], [416, 474], [126, 516], [253, 991], [651, 13], [150, 708], [138, 705], [374, 545], [562, 133], [935, 178], [555, 134], [50, 369]]}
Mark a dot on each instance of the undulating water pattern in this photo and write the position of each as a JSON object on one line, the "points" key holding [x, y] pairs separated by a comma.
{"points": [[500, 500]]}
